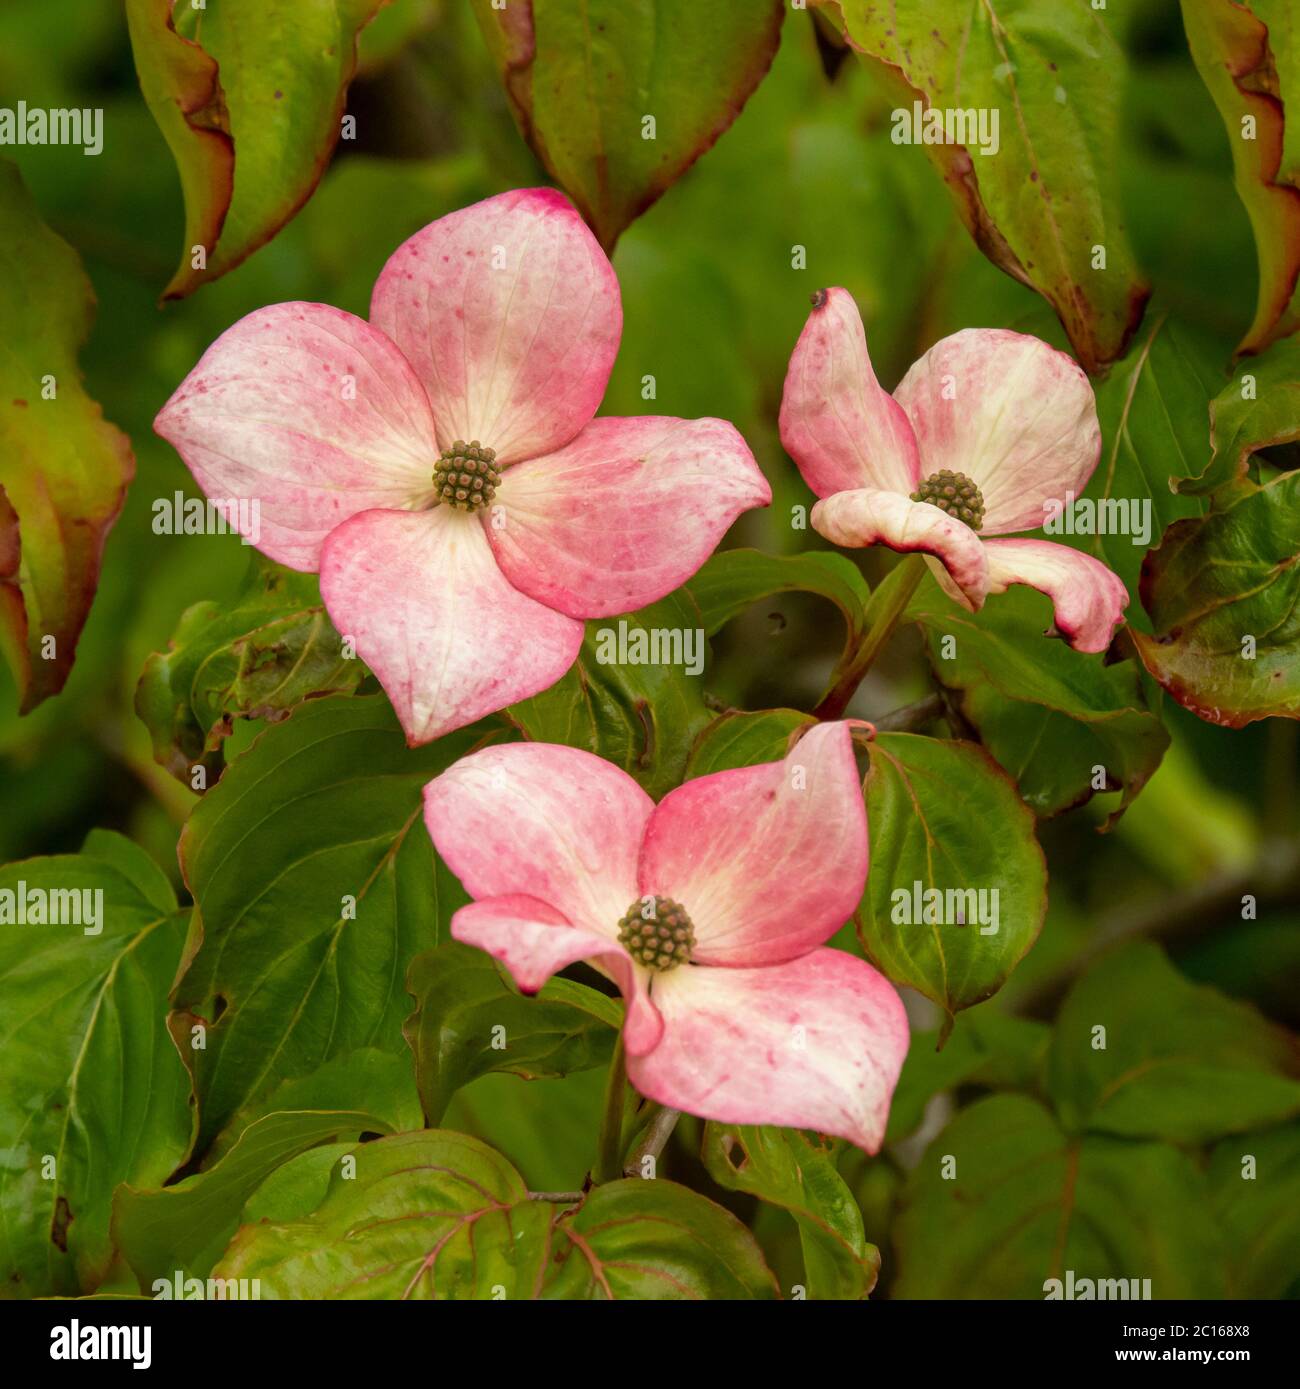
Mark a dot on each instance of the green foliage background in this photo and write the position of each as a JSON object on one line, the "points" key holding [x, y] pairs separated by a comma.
{"points": [[1202, 1067]]}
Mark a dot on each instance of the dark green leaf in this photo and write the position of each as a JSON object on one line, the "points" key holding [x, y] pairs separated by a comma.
{"points": [[786, 1169], [186, 1227], [638, 709], [470, 1020], [94, 1092], [547, 1128], [985, 1048], [944, 818], [1141, 1052], [741, 739], [1152, 407], [316, 886], [1002, 1202], [730, 581], [1255, 1181], [1063, 724]]}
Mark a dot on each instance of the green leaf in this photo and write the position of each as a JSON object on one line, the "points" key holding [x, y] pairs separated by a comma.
{"points": [[944, 818], [653, 1239], [295, 1188], [427, 1215], [1050, 715], [250, 98], [133, 864], [585, 79], [187, 1227], [255, 658], [1258, 408], [469, 1020], [1039, 205], [1257, 1203], [316, 886], [1230, 47], [1223, 592], [787, 1169], [985, 1048], [729, 582], [441, 1215], [93, 1091], [1003, 1201], [181, 87], [1153, 415], [66, 469], [641, 713], [366, 1079], [743, 739], [547, 1128], [1174, 1060]]}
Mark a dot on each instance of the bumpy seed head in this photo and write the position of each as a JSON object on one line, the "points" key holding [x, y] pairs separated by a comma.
{"points": [[657, 933], [954, 493], [466, 476]]}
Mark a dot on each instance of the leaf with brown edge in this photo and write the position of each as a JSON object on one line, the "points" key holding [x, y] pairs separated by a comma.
{"points": [[256, 656], [1042, 204], [1223, 591], [583, 78], [181, 87], [250, 99], [1230, 47], [64, 469], [1258, 408]]}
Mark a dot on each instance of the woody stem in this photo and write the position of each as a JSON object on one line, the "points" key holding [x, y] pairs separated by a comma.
{"points": [[884, 612], [654, 1138]]}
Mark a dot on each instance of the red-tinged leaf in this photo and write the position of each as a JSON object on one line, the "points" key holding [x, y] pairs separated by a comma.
{"points": [[250, 99], [180, 83], [1231, 49], [63, 468], [1259, 408], [586, 80], [1223, 591], [1046, 201]]}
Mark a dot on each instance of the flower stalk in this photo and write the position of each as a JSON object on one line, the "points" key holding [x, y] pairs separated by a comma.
{"points": [[885, 611], [609, 1148]]}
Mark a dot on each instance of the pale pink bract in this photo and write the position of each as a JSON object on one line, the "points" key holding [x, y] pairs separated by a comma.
{"points": [[763, 1024], [1004, 409], [497, 324]]}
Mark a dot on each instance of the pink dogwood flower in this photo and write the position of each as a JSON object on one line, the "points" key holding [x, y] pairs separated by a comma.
{"points": [[440, 465], [985, 433], [708, 910]]}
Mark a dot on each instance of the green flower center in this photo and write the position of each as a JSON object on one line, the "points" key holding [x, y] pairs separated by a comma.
{"points": [[954, 493], [657, 933], [466, 476]]}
